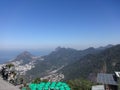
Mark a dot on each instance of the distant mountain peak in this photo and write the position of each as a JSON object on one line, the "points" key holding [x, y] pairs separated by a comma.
{"points": [[90, 48], [25, 57], [63, 48], [26, 53], [109, 45], [59, 48], [105, 47]]}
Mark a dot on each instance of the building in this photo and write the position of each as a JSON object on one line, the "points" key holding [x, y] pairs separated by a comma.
{"points": [[110, 81], [98, 87]]}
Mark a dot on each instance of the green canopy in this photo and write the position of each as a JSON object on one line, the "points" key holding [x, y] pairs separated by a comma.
{"points": [[67, 88], [39, 88], [48, 86], [24, 88], [32, 86]]}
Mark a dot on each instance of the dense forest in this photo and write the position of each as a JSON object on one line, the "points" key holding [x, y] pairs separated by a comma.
{"points": [[87, 67]]}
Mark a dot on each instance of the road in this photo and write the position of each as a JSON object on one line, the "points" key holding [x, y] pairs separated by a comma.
{"points": [[4, 85]]}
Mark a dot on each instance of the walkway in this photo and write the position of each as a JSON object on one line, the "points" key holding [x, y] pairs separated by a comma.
{"points": [[7, 86]]}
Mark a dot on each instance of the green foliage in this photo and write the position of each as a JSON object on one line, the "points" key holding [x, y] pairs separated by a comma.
{"points": [[25, 87], [93, 64], [80, 84], [10, 65], [36, 80], [45, 80], [21, 80], [79, 63], [58, 58]]}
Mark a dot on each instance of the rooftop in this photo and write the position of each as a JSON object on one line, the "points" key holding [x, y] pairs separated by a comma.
{"points": [[106, 79]]}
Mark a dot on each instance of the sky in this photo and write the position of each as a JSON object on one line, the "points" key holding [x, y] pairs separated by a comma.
{"points": [[46, 24]]}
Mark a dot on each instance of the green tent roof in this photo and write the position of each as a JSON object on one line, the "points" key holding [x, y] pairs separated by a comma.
{"points": [[49, 85]]}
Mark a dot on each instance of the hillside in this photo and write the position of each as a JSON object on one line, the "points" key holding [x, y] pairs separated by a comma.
{"points": [[59, 58], [61, 62], [88, 66], [24, 62], [24, 57]]}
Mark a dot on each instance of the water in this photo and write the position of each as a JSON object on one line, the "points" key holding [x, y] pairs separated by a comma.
{"points": [[7, 55]]}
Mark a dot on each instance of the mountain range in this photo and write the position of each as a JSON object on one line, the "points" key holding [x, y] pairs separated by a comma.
{"points": [[59, 58], [107, 61], [70, 63]]}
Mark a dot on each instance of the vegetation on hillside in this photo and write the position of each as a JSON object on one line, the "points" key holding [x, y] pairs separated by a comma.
{"points": [[80, 84], [88, 66]]}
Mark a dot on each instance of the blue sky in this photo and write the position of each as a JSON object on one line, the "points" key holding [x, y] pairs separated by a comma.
{"points": [[46, 24]]}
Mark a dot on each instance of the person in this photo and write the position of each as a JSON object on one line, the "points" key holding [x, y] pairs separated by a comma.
{"points": [[6, 75], [11, 77], [3, 72]]}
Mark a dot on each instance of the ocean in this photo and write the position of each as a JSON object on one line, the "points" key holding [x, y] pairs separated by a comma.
{"points": [[6, 55]]}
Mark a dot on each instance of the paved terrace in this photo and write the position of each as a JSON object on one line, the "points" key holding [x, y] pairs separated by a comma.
{"points": [[7, 86]]}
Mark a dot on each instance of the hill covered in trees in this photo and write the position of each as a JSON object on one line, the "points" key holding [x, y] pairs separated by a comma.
{"points": [[87, 67], [61, 57]]}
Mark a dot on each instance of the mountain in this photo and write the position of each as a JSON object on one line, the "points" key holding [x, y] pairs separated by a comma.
{"points": [[63, 62], [105, 47], [25, 57], [87, 67], [58, 59], [24, 62], [65, 56]]}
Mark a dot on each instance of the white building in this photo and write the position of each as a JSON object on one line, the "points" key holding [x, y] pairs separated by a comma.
{"points": [[98, 87]]}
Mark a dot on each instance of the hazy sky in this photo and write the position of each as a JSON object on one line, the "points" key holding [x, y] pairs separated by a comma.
{"points": [[50, 23]]}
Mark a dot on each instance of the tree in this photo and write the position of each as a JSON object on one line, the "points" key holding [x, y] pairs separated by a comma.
{"points": [[10, 65], [80, 84], [36, 80]]}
